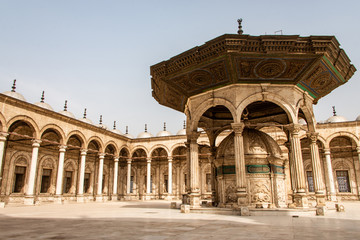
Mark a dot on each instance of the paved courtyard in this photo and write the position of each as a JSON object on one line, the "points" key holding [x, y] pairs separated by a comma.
{"points": [[155, 220]]}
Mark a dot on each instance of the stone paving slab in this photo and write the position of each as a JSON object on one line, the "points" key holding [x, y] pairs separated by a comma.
{"points": [[155, 220]]}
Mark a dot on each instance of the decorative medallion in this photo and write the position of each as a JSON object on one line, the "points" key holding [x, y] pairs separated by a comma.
{"points": [[200, 78], [270, 68]]}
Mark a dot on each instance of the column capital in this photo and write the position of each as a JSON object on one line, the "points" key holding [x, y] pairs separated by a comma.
{"points": [[3, 136], [238, 128], [358, 150], [83, 151], [148, 159], [327, 151], [62, 148], [128, 160], [170, 158], [293, 128], [313, 136], [101, 155], [116, 159], [193, 136], [36, 142]]}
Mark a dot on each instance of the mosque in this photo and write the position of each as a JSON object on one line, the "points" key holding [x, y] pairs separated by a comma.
{"points": [[250, 139]]}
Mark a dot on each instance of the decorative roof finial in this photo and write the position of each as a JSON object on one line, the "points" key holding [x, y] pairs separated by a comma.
{"points": [[65, 105], [127, 130], [184, 126], [13, 86], [334, 112], [114, 125], [84, 113], [164, 126], [145, 127], [100, 122], [42, 97], [240, 31]]}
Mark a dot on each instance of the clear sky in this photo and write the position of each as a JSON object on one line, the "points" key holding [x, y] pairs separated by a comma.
{"points": [[97, 53]]}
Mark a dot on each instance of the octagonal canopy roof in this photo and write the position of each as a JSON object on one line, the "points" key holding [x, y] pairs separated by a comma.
{"points": [[315, 64]]}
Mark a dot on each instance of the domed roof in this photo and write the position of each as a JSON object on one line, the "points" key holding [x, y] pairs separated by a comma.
{"points": [[14, 94], [66, 112], [117, 131], [163, 133], [182, 131], [358, 118], [101, 125], [335, 118], [43, 104], [255, 143], [84, 119], [145, 134], [127, 133]]}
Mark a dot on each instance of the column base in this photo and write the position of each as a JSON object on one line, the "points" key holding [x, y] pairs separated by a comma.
{"points": [[114, 198], [242, 199], [99, 198], [147, 197], [332, 197], [194, 200], [29, 200], [320, 200], [58, 199], [80, 199], [301, 200], [169, 197]]}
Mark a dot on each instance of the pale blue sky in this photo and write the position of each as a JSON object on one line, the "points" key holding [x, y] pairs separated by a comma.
{"points": [[97, 54]]}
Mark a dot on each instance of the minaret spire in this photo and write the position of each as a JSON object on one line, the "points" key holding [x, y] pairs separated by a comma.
{"points": [[240, 31], [145, 127], [114, 125], [42, 97], [13, 86], [334, 111], [65, 105], [84, 113], [164, 126], [100, 122]]}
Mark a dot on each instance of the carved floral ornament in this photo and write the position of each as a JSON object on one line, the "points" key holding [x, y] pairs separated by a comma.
{"points": [[238, 127]]}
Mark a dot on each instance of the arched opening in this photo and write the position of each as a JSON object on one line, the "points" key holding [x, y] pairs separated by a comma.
{"points": [[180, 166], [264, 113], [108, 170], [138, 165], [124, 155], [159, 184]]}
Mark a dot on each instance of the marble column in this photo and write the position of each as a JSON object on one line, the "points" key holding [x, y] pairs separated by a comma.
{"points": [[80, 197], [213, 174], [292, 167], [148, 179], [128, 177], [194, 171], [29, 196], [329, 170], [317, 170], [300, 195], [59, 179], [99, 197], [240, 169], [3, 137], [170, 159], [116, 173]]}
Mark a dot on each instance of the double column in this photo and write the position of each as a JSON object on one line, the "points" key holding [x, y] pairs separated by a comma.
{"points": [[300, 198], [240, 164], [316, 167], [29, 195], [193, 155]]}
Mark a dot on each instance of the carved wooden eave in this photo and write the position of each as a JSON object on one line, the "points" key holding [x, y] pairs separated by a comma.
{"points": [[315, 64]]}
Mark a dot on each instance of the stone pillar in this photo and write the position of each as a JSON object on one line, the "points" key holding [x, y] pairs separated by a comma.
{"points": [[300, 195], [292, 167], [2, 151], [240, 169], [116, 169], [128, 177], [329, 170], [100, 178], [59, 179], [194, 171], [80, 197], [213, 174], [170, 159], [29, 196], [317, 172]]}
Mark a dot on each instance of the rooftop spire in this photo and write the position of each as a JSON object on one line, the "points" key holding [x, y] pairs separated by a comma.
{"points": [[65, 105], [145, 127], [84, 113], [184, 126], [100, 122], [127, 130], [334, 111], [240, 31], [164, 126], [13, 86], [114, 125], [42, 97]]}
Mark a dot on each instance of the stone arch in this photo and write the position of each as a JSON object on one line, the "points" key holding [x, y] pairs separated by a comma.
{"points": [[27, 120], [47, 162], [203, 107], [70, 165], [159, 146], [111, 142], [79, 135], [56, 129], [2, 123], [173, 147], [139, 147], [309, 118], [22, 159], [350, 135], [269, 97], [98, 141]]}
